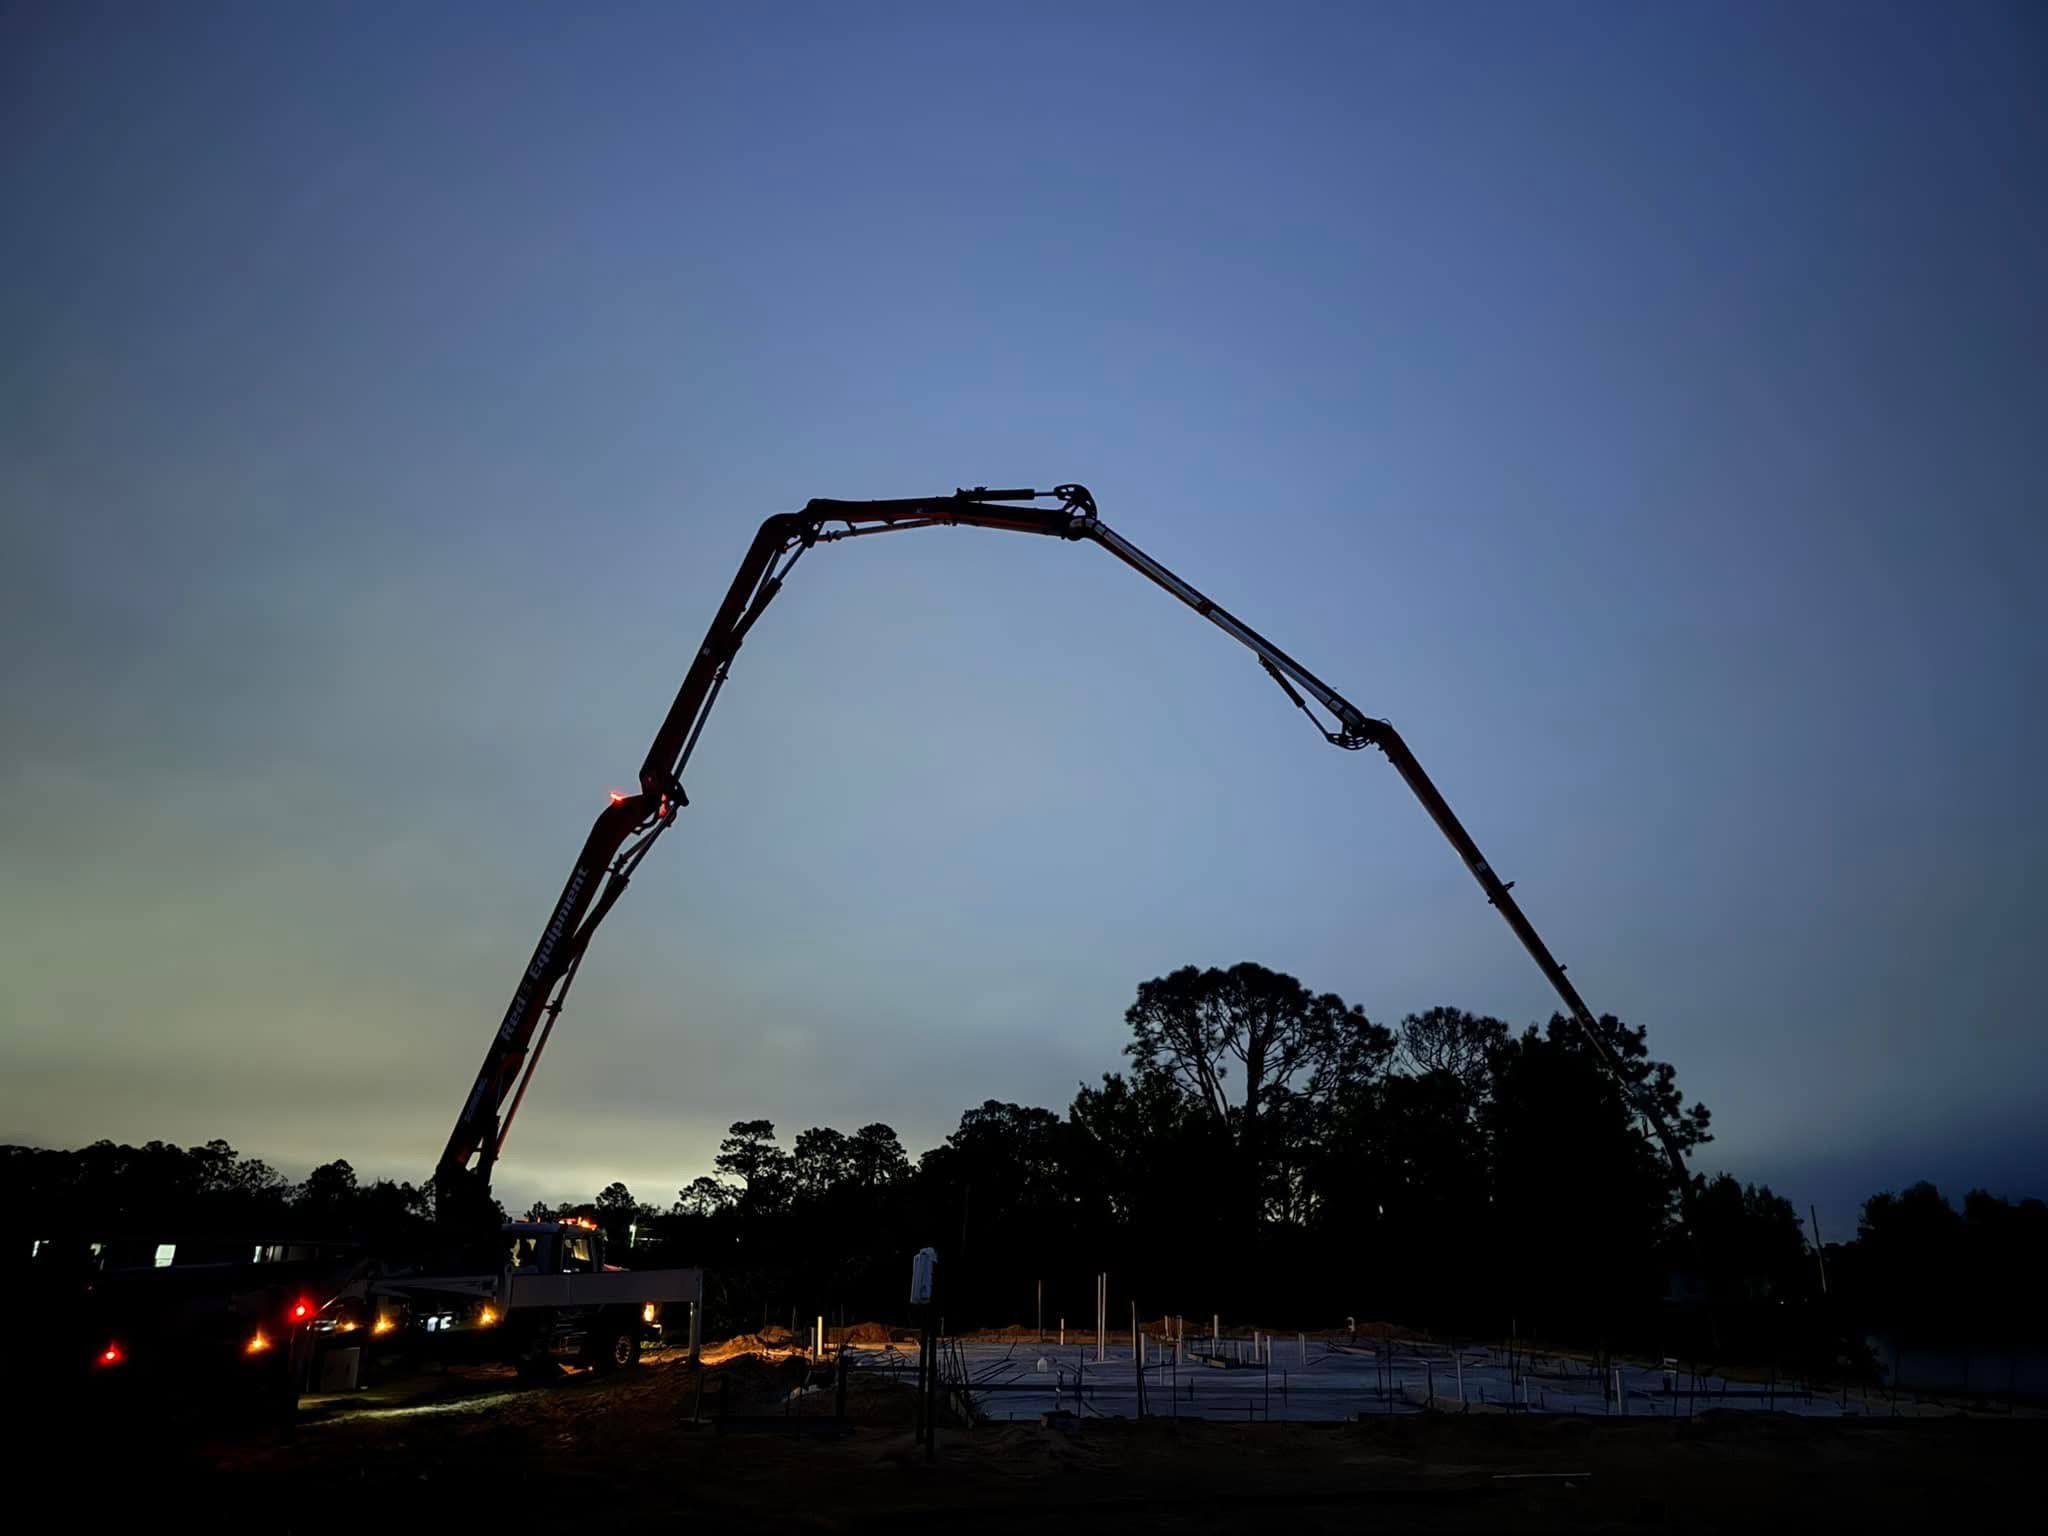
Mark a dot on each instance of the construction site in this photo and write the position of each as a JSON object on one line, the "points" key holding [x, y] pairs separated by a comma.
{"points": [[766, 1433], [460, 1333], [1007, 1029]]}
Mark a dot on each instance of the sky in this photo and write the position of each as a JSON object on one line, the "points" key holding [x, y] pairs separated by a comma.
{"points": [[1640, 406]]}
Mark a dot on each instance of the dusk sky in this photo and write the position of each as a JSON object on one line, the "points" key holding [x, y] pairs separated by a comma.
{"points": [[1642, 406]]}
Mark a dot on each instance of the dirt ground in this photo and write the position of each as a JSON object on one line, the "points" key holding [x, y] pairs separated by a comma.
{"points": [[477, 1446]]}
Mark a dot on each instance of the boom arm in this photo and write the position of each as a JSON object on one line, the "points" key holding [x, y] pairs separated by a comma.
{"points": [[1355, 730], [605, 866]]}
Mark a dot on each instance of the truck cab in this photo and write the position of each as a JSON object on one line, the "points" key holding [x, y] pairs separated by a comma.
{"points": [[553, 1248]]}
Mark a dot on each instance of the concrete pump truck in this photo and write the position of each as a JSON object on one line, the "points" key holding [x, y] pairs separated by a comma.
{"points": [[539, 1292]]}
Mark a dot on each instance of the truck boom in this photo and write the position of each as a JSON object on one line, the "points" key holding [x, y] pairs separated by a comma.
{"points": [[628, 827]]}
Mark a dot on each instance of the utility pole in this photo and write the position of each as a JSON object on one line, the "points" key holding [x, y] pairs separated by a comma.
{"points": [[1820, 1251]]}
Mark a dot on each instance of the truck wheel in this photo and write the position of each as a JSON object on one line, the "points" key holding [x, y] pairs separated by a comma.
{"points": [[619, 1351]]}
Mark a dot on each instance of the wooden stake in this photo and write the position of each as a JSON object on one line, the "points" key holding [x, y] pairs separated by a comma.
{"points": [[1137, 1361]]}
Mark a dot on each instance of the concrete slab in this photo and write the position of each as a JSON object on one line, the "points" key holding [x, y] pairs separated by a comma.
{"points": [[1285, 1379]]}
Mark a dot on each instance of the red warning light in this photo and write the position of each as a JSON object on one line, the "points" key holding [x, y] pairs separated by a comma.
{"points": [[113, 1354], [618, 797], [301, 1310]]}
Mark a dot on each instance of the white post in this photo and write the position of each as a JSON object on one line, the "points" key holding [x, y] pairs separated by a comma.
{"points": [[1216, 1332], [1304, 1349], [1063, 1333], [1459, 1356]]}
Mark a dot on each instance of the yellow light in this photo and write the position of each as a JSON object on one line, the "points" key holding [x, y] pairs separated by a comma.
{"points": [[258, 1343], [382, 1325], [350, 1327], [485, 1318], [647, 1313]]}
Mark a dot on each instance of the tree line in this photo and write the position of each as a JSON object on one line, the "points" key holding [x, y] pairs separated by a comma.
{"points": [[1268, 1152], [129, 1198]]}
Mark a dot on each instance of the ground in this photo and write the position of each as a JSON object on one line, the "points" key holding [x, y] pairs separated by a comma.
{"points": [[475, 1446]]}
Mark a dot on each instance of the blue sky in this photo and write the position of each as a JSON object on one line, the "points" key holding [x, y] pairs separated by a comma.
{"points": [[1640, 406]]}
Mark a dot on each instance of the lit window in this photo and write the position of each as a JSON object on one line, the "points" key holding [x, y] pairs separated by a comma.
{"points": [[166, 1255]]}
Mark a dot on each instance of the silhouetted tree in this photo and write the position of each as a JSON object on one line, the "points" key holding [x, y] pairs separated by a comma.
{"points": [[822, 1162], [1577, 1177], [1911, 1242], [994, 1196], [1238, 1044], [704, 1196], [749, 1154], [1751, 1243], [616, 1211], [877, 1156], [329, 1190], [1451, 1041]]}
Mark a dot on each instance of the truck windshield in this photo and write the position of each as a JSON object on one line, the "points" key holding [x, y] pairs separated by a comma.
{"points": [[576, 1254]]}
